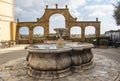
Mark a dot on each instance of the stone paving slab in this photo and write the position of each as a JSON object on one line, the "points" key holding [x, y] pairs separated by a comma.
{"points": [[11, 53], [104, 70], [13, 48]]}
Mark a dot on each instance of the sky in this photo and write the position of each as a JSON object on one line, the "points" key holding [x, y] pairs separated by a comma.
{"points": [[84, 10]]}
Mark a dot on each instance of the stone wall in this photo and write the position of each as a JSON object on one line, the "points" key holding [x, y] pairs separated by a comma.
{"points": [[69, 23]]}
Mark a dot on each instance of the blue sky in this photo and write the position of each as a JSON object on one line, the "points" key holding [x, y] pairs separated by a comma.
{"points": [[84, 10]]}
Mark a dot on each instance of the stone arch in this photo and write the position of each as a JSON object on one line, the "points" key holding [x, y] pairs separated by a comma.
{"points": [[49, 12], [69, 22], [23, 32], [75, 32], [54, 22], [38, 32]]}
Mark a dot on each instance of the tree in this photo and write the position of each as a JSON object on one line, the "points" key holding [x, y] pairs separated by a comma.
{"points": [[117, 13]]}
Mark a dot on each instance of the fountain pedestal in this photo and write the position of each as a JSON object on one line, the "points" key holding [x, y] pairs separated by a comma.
{"points": [[60, 42], [61, 32]]}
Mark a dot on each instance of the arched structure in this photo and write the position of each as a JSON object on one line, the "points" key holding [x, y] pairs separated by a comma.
{"points": [[23, 33], [89, 31], [53, 24], [75, 32], [69, 22], [38, 32]]}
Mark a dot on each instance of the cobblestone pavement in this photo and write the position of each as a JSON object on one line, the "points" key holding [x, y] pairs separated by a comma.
{"points": [[107, 67]]}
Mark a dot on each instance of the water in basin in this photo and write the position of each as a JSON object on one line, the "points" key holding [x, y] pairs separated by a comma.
{"points": [[54, 45], [51, 46]]}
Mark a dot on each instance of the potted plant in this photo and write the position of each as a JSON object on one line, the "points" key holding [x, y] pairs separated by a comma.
{"points": [[103, 43]]}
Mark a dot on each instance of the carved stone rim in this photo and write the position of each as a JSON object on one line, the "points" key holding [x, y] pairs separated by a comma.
{"points": [[59, 50]]}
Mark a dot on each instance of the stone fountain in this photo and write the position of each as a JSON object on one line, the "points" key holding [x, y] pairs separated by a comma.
{"points": [[49, 61]]}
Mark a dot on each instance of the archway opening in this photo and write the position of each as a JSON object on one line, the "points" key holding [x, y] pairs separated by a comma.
{"points": [[38, 32], [56, 21], [89, 31], [75, 32], [24, 33]]}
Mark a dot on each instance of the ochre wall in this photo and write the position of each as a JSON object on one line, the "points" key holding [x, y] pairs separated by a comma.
{"points": [[69, 23], [6, 17], [13, 30]]}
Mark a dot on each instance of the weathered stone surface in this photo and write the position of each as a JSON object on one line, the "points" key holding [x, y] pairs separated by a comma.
{"points": [[1, 79], [60, 62]]}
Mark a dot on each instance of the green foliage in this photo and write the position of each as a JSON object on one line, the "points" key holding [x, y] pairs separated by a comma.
{"points": [[103, 41], [117, 13], [101, 37], [38, 36]]}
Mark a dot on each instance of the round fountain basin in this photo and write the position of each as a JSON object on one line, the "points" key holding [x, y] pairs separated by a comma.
{"points": [[48, 61]]}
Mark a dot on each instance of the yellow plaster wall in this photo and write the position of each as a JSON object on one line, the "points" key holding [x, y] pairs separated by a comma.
{"points": [[13, 30], [6, 17], [6, 9], [5, 31], [8, 1]]}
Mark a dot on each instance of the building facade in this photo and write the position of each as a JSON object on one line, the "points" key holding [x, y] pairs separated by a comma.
{"points": [[6, 17], [114, 35]]}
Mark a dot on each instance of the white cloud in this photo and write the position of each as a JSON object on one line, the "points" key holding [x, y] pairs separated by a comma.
{"points": [[98, 0], [75, 13], [97, 14], [25, 8], [51, 3], [113, 1], [106, 26], [18, 10], [99, 10], [24, 3], [29, 9], [75, 4]]}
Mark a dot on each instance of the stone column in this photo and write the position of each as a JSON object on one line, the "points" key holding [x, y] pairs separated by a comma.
{"points": [[46, 29], [97, 32], [68, 32], [68, 28], [83, 34], [17, 34], [30, 35]]}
